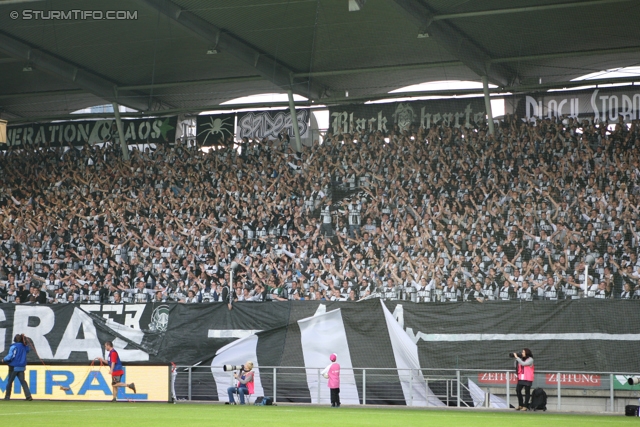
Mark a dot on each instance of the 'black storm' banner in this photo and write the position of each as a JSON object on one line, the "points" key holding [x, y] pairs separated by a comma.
{"points": [[602, 104], [57, 134], [383, 117]]}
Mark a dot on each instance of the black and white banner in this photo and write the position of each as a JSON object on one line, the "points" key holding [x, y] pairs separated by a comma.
{"points": [[136, 131], [580, 335], [383, 117], [269, 124], [213, 129], [393, 340], [603, 104]]}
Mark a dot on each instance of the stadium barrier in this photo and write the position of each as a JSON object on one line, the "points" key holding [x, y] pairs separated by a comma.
{"points": [[567, 391]]}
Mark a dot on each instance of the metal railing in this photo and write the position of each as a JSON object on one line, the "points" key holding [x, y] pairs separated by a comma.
{"points": [[566, 390]]}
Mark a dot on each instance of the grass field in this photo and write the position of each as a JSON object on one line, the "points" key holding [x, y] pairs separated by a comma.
{"points": [[44, 413]]}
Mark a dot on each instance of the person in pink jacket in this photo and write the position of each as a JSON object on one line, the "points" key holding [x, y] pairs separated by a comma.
{"points": [[526, 371], [332, 372]]}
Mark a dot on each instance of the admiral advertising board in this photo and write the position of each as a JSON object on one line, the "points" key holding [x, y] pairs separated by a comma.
{"points": [[93, 383]]}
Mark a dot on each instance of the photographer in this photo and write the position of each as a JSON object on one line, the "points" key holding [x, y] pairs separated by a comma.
{"points": [[245, 383], [525, 372], [17, 360]]}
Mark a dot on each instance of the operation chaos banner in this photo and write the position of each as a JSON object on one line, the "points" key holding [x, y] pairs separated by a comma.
{"points": [[384, 116], [57, 134], [605, 104]]}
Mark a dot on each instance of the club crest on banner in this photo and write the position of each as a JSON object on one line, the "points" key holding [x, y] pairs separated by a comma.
{"points": [[159, 319], [404, 116]]}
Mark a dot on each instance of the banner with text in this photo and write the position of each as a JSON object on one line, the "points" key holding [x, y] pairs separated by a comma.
{"points": [[269, 124], [136, 131], [467, 336], [93, 383], [383, 117], [213, 129], [605, 104]]}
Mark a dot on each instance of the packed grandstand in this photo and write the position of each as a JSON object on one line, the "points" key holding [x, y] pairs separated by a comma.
{"points": [[545, 210]]}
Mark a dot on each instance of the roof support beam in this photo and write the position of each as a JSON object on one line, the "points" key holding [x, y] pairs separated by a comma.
{"points": [[193, 83], [449, 16], [123, 142], [43, 93], [487, 104], [634, 81], [294, 121], [458, 44], [4, 113], [404, 67], [560, 55], [267, 66], [85, 79]]}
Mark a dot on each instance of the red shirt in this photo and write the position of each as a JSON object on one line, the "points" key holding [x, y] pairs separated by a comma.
{"points": [[114, 360]]}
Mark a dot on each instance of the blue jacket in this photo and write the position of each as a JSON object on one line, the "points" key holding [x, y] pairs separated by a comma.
{"points": [[17, 356]]}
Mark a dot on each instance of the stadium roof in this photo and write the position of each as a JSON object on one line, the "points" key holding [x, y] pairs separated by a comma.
{"points": [[186, 55]]}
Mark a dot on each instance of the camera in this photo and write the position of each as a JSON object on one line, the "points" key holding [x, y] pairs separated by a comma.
{"points": [[633, 380], [512, 354], [227, 368]]}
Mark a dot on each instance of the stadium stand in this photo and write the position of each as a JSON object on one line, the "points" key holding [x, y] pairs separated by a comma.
{"points": [[432, 215]]}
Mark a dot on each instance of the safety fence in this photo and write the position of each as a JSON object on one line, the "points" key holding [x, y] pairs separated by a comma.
{"points": [[566, 391]]}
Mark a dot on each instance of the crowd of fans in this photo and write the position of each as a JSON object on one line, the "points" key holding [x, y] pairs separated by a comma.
{"points": [[542, 210]]}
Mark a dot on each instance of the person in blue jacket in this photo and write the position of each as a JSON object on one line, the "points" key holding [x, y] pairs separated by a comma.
{"points": [[17, 360]]}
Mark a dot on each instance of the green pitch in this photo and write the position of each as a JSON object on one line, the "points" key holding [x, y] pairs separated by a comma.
{"points": [[67, 414]]}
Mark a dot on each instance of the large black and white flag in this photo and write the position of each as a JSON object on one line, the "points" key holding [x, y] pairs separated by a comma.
{"points": [[399, 344]]}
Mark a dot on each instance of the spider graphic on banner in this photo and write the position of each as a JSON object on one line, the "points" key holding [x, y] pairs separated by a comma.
{"points": [[217, 127]]}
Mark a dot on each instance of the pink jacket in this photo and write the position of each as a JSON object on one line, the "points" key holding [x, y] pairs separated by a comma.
{"points": [[333, 371], [526, 370], [247, 379]]}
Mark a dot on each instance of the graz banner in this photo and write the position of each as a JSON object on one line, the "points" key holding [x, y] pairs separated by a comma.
{"points": [[213, 129], [136, 131], [400, 338], [269, 124], [383, 117], [602, 104]]}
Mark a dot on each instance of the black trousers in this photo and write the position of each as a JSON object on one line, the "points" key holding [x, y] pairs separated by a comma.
{"points": [[12, 376], [527, 393], [335, 396]]}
